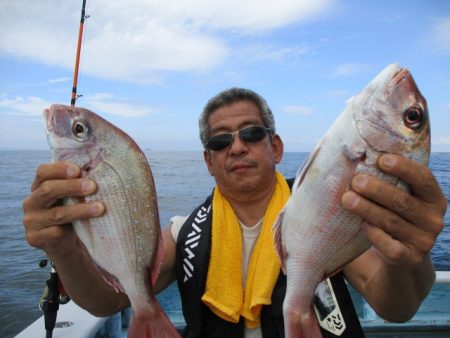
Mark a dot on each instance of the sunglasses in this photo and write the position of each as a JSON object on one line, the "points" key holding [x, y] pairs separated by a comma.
{"points": [[249, 135]]}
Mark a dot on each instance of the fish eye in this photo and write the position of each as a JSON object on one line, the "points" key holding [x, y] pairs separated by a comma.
{"points": [[413, 118], [79, 129]]}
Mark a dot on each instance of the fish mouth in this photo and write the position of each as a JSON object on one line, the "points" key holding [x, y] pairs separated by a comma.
{"points": [[400, 75], [48, 116]]}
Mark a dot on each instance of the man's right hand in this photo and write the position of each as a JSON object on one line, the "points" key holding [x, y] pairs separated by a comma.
{"points": [[46, 220]]}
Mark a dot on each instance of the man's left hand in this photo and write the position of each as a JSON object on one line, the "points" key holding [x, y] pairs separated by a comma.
{"points": [[403, 226]]}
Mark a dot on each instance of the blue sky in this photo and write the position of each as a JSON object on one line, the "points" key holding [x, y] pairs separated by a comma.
{"points": [[149, 66]]}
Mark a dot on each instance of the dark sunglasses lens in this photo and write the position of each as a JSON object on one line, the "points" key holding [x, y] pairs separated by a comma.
{"points": [[253, 134], [250, 134], [219, 142]]}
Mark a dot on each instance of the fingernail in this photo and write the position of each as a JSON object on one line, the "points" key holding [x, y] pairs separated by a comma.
{"points": [[88, 186], [359, 182], [350, 200], [97, 209], [72, 171], [388, 161]]}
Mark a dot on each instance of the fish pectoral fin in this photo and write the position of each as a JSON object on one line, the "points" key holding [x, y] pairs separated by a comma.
{"points": [[111, 280], [157, 260], [278, 238], [355, 152]]}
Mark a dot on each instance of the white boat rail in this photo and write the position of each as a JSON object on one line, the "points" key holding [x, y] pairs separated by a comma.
{"points": [[442, 277], [73, 321]]}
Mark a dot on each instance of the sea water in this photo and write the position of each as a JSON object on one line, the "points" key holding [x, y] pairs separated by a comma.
{"points": [[182, 182]]}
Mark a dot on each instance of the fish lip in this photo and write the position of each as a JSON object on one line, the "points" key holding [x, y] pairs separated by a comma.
{"points": [[400, 75], [48, 116]]}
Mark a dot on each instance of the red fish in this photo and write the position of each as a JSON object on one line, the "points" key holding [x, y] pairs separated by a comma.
{"points": [[314, 234], [126, 242]]}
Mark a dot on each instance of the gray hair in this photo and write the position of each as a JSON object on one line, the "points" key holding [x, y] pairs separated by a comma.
{"points": [[230, 96]]}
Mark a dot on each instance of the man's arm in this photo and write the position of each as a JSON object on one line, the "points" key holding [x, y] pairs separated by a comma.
{"points": [[167, 273], [394, 292], [92, 293], [48, 227], [396, 274], [85, 285]]}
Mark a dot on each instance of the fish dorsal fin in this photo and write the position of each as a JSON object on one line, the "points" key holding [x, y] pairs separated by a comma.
{"points": [[301, 174], [278, 238]]}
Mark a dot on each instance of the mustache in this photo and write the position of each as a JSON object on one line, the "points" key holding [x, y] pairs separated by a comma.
{"points": [[230, 166]]}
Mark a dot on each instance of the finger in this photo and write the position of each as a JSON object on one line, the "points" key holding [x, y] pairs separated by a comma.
{"points": [[51, 191], [391, 197], [429, 216], [392, 250], [64, 214], [397, 228], [56, 170], [49, 237], [421, 180]]}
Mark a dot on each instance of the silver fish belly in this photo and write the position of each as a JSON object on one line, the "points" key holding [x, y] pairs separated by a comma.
{"points": [[126, 242], [314, 234]]}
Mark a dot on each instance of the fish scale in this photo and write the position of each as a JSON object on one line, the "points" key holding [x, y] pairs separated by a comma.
{"points": [[125, 242], [315, 236]]}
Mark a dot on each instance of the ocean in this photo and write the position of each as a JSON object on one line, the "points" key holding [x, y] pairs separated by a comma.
{"points": [[182, 182]]}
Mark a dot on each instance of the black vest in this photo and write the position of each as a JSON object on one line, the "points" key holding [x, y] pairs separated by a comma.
{"points": [[193, 252]]}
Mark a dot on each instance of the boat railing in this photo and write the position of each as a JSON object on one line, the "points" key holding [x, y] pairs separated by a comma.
{"points": [[442, 277], [432, 319]]}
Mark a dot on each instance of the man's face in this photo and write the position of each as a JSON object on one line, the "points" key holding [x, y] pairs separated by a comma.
{"points": [[242, 167]]}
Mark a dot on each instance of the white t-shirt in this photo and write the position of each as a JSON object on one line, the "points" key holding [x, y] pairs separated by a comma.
{"points": [[249, 237]]}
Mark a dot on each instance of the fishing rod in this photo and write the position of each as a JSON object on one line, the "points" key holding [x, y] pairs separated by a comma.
{"points": [[54, 293], [77, 59]]}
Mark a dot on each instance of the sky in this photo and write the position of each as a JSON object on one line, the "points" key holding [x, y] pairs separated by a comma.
{"points": [[149, 66]]}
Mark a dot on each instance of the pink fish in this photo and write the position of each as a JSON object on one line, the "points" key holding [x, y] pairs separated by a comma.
{"points": [[315, 236], [126, 242]]}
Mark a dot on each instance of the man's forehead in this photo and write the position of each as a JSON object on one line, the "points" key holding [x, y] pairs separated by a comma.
{"points": [[240, 111]]}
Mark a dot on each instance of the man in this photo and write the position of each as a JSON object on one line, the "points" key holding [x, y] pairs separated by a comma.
{"points": [[241, 151]]}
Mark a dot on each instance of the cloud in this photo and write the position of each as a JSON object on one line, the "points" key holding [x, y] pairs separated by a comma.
{"points": [[24, 106], [350, 69], [338, 93], [135, 40], [281, 55], [297, 110], [59, 79], [443, 140], [105, 103], [235, 76], [440, 35], [100, 103], [251, 15]]}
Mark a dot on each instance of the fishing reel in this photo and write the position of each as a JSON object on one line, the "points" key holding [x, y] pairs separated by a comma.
{"points": [[52, 286], [51, 298]]}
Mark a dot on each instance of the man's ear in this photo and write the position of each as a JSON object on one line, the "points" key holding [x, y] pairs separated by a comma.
{"points": [[278, 148], [208, 160]]}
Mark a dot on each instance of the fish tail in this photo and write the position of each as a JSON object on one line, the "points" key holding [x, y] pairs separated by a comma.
{"points": [[302, 325], [152, 324]]}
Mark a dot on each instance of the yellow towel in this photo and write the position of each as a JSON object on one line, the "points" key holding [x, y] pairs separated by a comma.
{"points": [[224, 293]]}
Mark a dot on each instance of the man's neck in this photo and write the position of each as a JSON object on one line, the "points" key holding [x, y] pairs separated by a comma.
{"points": [[252, 208]]}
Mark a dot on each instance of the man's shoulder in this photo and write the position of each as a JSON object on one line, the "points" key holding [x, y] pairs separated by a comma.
{"points": [[176, 223], [199, 213]]}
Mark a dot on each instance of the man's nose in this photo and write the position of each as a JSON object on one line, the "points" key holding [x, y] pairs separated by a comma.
{"points": [[237, 145]]}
